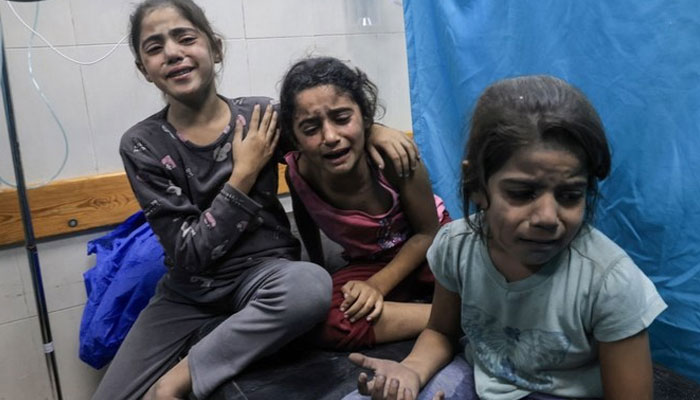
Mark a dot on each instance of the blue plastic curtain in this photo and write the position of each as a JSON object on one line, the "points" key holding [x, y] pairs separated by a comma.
{"points": [[639, 63]]}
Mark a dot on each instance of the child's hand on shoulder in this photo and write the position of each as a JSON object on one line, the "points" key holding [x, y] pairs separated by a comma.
{"points": [[362, 300], [396, 147]]}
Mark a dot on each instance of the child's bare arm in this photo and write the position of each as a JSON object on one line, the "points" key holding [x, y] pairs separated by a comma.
{"points": [[365, 299], [435, 347], [626, 369], [418, 204]]}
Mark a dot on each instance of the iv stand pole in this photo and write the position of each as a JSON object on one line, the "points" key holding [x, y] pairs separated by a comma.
{"points": [[30, 242]]}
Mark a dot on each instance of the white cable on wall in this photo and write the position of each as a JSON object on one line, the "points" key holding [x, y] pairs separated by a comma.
{"points": [[43, 96], [51, 46], [48, 105], [46, 102]]}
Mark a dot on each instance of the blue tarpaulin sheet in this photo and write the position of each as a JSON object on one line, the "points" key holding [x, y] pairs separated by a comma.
{"points": [[639, 63], [129, 263]]}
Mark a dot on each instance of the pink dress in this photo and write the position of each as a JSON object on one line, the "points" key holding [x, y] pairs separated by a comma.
{"points": [[369, 242]]}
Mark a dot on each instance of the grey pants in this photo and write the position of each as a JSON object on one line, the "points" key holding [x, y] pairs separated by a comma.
{"points": [[271, 304]]}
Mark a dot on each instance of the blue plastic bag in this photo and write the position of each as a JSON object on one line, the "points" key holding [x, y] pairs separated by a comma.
{"points": [[129, 265]]}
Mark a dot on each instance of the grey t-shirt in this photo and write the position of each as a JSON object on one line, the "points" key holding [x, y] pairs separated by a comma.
{"points": [[210, 231], [540, 334]]}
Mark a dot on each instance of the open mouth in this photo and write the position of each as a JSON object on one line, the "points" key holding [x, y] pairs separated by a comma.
{"points": [[179, 72], [540, 242], [334, 155]]}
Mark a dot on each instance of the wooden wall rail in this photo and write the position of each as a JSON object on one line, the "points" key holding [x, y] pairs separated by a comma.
{"points": [[73, 205], [68, 206]]}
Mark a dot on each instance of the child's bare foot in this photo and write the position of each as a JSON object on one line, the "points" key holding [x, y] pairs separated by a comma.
{"points": [[176, 384]]}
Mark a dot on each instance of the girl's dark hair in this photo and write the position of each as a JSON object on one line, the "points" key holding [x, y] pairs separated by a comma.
{"points": [[514, 113], [316, 71], [187, 8]]}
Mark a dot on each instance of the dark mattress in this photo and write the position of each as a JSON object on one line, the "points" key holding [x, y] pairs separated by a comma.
{"points": [[302, 373]]}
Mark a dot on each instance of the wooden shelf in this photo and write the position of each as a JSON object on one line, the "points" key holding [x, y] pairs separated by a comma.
{"points": [[74, 205]]}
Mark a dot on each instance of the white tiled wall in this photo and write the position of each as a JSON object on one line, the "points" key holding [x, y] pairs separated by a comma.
{"points": [[96, 103], [23, 371]]}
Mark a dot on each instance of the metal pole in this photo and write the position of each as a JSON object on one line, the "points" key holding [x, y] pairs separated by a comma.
{"points": [[30, 242]]}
